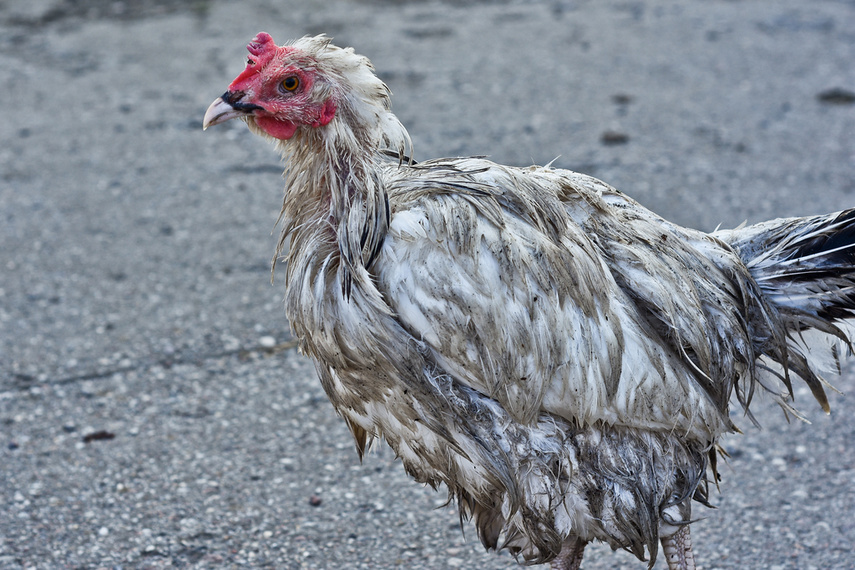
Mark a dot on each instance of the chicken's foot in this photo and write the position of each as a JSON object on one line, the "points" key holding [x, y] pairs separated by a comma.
{"points": [[570, 556], [678, 550]]}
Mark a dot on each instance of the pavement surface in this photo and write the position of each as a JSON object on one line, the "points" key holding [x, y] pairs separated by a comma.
{"points": [[153, 410]]}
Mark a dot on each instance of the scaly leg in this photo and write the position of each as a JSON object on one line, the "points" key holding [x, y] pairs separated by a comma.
{"points": [[678, 550], [570, 556]]}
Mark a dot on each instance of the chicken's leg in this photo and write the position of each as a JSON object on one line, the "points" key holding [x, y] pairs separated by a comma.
{"points": [[570, 556], [678, 550]]}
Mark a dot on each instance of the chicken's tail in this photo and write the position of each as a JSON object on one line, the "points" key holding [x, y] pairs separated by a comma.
{"points": [[805, 270]]}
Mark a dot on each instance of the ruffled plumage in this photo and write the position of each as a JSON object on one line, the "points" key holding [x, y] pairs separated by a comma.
{"points": [[561, 358]]}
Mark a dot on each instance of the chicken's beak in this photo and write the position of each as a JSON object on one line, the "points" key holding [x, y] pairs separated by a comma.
{"points": [[227, 107], [219, 112]]}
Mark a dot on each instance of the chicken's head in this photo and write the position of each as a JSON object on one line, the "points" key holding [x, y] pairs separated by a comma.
{"points": [[282, 89], [311, 91]]}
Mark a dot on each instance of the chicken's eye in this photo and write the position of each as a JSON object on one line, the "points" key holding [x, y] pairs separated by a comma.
{"points": [[290, 83]]}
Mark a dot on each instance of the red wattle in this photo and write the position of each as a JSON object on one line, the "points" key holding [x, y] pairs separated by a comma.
{"points": [[277, 129]]}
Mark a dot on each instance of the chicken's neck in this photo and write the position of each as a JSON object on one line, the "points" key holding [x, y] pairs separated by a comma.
{"points": [[335, 212]]}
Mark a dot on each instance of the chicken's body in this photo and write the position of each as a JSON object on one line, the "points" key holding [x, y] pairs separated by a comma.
{"points": [[560, 357]]}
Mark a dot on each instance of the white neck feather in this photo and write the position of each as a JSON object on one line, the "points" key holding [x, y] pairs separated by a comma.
{"points": [[334, 196]]}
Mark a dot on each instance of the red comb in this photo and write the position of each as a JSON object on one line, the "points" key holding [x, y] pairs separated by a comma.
{"points": [[261, 43], [262, 50]]}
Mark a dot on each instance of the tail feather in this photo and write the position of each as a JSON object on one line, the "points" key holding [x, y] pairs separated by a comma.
{"points": [[805, 264], [805, 270]]}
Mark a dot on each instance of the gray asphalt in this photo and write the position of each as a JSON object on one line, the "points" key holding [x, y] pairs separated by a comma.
{"points": [[153, 410]]}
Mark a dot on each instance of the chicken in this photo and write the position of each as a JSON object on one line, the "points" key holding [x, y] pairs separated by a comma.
{"points": [[558, 356]]}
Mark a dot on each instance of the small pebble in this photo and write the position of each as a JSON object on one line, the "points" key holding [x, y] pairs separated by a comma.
{"points": [[837, 96], [611, 138], [99, 435]]}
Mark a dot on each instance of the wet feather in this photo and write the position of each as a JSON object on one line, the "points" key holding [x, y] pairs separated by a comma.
{"points": [[559, 357]]}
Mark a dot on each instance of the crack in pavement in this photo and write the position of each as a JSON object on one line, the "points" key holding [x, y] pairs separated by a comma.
{"points": [[22, 382]]}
